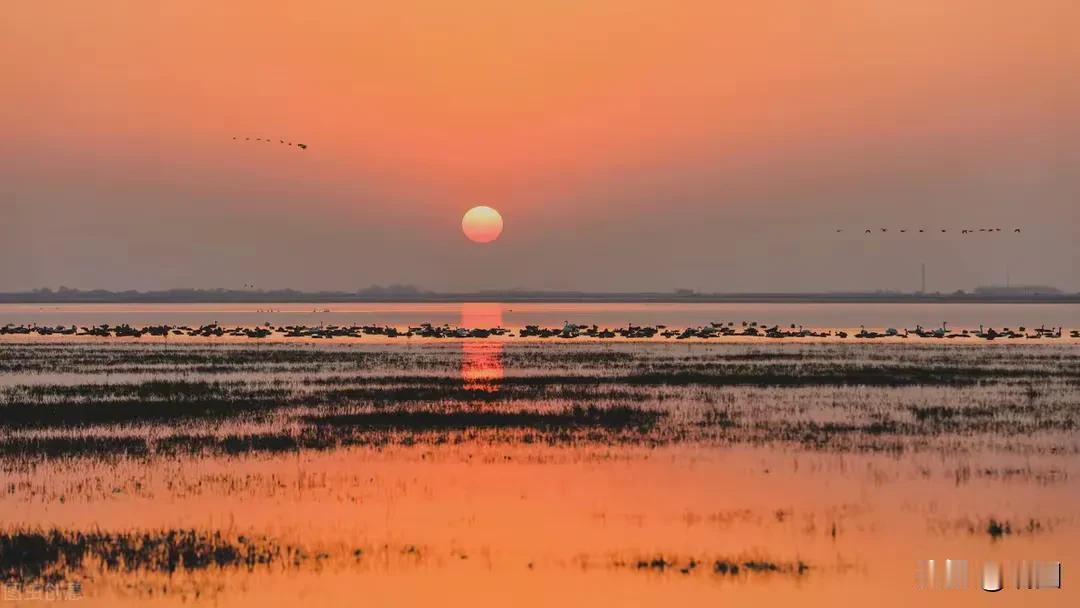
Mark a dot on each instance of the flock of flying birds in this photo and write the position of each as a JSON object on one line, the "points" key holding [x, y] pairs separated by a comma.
{"points": [[270, 141], [962, 230], [867, 231]]}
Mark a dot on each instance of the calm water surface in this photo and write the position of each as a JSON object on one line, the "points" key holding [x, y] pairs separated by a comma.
{"points": [[548, 314], [799, 453]]}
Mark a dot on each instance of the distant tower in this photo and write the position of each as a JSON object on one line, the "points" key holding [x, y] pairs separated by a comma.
{"points": [[923, 290]]}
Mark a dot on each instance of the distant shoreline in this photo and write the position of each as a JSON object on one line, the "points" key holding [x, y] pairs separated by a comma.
{"points": [[214, 296]]}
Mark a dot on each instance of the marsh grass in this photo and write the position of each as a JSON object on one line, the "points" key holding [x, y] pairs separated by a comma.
{"points": [[577, 417], [52, 554], [863, 397], [56, 554], [717, 566]]}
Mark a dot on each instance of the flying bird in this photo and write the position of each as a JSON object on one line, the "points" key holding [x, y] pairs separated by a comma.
{"points": [[270, 141], [924, 230]]}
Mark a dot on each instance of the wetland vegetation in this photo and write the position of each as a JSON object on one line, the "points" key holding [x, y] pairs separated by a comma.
{"points": [[675, 432]]}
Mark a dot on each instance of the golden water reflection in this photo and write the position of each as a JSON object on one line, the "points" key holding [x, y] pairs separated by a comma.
{"points": [[481, 361]]}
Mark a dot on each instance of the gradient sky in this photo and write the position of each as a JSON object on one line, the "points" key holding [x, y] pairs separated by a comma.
{"points": [[629, 145]]}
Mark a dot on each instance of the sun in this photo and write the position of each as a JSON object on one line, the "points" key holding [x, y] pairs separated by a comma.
{"points": [[482, 224]]}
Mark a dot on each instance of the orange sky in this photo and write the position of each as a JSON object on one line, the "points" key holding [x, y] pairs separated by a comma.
{"points": [[593, 127]]}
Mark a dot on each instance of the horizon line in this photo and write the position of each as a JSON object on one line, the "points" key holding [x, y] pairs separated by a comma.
{"points": [[406, 293]]}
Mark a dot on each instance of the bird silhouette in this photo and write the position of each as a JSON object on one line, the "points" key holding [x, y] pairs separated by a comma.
{"points": [[885, 230], [270, 141]]}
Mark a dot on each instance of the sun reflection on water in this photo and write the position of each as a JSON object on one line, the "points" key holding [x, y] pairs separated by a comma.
{"points": [[481, 361]]}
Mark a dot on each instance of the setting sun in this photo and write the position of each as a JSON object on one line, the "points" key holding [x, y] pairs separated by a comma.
{"points": [[482, 224]]}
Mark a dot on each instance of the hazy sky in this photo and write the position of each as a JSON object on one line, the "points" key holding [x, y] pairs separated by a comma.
{"points": [[630, 145]]}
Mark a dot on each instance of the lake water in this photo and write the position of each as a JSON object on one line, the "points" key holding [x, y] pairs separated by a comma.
{"points": [[479, 473], [517, 315]]}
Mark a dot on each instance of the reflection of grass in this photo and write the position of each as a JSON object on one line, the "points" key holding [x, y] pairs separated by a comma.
{"points": [[996, 528], [874, 364], [54, 554], [617, 417], [237, 444], [575, 425], [851, 397], [54, 447], [125, 412], [686, 374], [32, 555], [721, 566]]}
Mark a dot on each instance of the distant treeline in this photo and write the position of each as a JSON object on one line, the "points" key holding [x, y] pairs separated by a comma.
{"points": [[408, 293]]}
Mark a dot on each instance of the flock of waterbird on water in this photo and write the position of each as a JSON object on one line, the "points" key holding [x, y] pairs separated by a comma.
{"points": [[747, 329], [568, 331]]}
